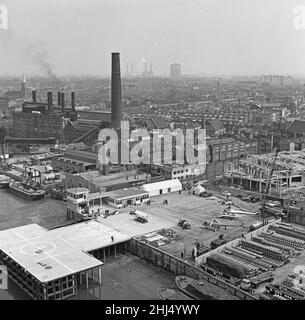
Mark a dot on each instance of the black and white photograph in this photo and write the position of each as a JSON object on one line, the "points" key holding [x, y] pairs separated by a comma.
{"points": [[152, 150]]}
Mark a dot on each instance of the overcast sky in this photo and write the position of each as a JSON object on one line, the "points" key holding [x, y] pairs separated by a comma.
{"points": [[205, 36]]}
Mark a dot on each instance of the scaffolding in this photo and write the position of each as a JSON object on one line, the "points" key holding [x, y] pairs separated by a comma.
{"points": [[252, 173]]}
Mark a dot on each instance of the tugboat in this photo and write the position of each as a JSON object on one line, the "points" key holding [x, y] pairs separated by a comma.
{"points": [[26, 191], [4, 182]]}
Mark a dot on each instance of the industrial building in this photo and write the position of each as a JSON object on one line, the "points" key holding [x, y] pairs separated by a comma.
{"points": [[76, 161], [95, 181], [17, 94]]}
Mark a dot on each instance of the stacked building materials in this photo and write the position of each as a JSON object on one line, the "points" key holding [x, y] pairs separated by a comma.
{"points": [[266, 242], [289, 242], [268, 251], [288, 230], [249, 258], [230, 266]]}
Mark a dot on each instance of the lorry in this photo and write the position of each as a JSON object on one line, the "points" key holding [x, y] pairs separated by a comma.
{"points": [[141, 216], [254, 282], [184, 224]]}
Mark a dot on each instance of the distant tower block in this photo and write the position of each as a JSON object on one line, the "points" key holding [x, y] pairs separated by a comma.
{"points": [[50, 99], [202, 122], [23, 85], [58, 99], [175, 70], [116, 96]]}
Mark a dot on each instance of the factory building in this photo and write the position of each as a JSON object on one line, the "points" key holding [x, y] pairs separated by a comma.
{"points": [[17, 94], [95, 181], [76, 161]]}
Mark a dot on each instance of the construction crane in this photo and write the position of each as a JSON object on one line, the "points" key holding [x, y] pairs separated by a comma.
{"points": [[268, 185]]}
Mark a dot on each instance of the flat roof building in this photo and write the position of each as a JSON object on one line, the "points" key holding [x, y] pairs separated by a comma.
{"points": [[175, 70]]}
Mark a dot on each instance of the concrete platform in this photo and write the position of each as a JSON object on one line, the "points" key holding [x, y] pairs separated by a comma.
{"points": [[50, 255], [126, 224], [195, 210]]}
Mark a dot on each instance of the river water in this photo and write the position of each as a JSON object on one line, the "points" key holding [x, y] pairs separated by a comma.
{"points": [[125, 277]]}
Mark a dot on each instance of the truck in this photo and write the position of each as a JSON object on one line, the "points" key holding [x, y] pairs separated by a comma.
{"points": [[141, 216], [253, 282], [184, 224]]}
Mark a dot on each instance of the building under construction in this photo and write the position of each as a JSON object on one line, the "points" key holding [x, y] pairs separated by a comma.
{"points": [[52, 265], [253, 173]]}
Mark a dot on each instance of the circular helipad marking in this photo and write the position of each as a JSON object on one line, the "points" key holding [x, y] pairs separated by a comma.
{"points": [[37, 248]]}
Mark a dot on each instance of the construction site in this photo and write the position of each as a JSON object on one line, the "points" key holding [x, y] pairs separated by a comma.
{"points": [[287, 168]]}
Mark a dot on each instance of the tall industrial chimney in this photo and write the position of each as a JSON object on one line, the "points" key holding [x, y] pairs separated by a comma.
{"points": [[50, 99], [116, 96], [73, 101], [62, 100], [34, 96], [58, 99]]}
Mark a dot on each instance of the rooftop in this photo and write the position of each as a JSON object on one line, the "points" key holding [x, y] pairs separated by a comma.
{"points": [[127, 192], [49, 255], [114, 178]]}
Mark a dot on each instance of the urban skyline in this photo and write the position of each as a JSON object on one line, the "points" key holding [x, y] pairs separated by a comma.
{"points": [[187, 32]]}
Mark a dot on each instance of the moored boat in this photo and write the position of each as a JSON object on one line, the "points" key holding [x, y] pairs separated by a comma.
{"points": [[25, 191], [172, 294], [4, 181], [202, 290]]}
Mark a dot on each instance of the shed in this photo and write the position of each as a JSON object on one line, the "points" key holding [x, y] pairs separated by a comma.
{"points": [[162, 187]]}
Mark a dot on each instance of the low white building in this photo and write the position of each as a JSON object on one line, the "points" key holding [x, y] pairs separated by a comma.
{"points": [[128, 196], [162, 187]]}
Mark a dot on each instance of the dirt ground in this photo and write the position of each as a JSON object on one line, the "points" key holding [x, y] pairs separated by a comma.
{"points": [[128, 277]]}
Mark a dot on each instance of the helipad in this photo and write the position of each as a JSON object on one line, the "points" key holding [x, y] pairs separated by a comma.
{"points": [[46, 256]]}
